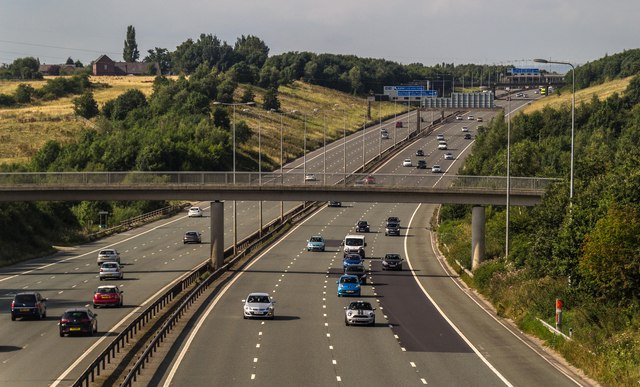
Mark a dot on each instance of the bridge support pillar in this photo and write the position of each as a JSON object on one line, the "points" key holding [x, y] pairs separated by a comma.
{"points": [[217, 234], [477, 236]]}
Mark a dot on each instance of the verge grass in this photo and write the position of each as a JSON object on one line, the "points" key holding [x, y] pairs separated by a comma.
{"points": [[600, 91]]}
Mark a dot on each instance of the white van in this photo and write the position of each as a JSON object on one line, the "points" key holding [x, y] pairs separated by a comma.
{"points": [[354, 244]]}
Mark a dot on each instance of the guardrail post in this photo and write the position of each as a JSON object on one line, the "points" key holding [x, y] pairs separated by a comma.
{"points": [[217, 234]]}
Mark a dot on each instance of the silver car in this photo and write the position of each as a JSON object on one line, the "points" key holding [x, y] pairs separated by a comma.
{"points": [[258, 305], [111, 270], [108, 255], [359, 312]]}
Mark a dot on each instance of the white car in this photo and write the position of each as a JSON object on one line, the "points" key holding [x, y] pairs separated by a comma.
{"points": [[359, 312], [195, 212], [258, 305], [458, 118], [310, 177], [385, 135], [442, 146], [440, 137], [111, 270], [470, 118], [406, 163], [436, 169], [448, 156], [465, 128]]}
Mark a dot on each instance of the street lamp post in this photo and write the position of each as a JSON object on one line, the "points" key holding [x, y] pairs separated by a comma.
{"points": [[235, 214], [506, 250], [573, 115], [234, 129]]}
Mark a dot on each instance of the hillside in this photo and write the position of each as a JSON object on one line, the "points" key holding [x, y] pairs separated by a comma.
{"points": [[602, 92], [24, 130]]}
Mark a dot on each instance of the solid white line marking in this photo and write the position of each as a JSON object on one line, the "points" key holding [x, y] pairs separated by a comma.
{"points": [[412, 364], [455, 328], [423, 381]]}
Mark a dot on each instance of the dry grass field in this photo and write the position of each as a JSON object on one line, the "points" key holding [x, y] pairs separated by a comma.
{"points": [[23, 130], [601, 91]]}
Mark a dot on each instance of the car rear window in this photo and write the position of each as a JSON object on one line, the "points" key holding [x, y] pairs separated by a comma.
{"points": [[26, 298], [74, 315]]}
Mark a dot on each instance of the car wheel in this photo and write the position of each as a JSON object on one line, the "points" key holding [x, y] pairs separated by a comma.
{"points": [[13, 318], [346, 322], [96, 330], [121, 303], [39, 315], [373, 322], [244, 317], [101, 278], [95, 306], [61, 333], [44, 315]]}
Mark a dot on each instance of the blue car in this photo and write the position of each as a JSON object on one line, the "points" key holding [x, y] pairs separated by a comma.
{"points": [[316, 243], [348, 285], [352, 259]]}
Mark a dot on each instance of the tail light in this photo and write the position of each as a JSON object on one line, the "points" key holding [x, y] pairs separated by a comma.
{"points": [[13, 303], [64, 321]]}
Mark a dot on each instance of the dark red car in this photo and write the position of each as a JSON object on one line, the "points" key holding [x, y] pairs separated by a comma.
{"points": [[109, 295]]}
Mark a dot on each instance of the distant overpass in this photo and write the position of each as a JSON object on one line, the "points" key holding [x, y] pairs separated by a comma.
{"points": [[291, 186]]}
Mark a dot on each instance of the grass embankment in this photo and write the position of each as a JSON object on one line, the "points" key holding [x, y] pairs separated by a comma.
{"points": [[602, 92], [23, 130]]}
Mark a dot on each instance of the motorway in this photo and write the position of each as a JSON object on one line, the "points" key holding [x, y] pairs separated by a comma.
{"points": [[153, 256], [429, 330], [308, 342]]}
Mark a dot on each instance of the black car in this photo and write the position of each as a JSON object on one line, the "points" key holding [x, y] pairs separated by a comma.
{"points": [[467, 136], [78, 320], [419, 152], [362, 226], [335, 204], [392, 229], [422, 164], [28, 304], [191, 237], [392, 262]]}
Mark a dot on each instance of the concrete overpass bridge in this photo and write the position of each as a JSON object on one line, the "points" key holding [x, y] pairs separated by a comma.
{"points": [[290, 186]]}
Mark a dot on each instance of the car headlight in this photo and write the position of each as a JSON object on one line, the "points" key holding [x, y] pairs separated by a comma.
{"points": [[349, 313], [247, 308]]}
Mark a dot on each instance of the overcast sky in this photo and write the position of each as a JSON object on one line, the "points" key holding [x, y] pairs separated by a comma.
{"points": [[405, 31]]}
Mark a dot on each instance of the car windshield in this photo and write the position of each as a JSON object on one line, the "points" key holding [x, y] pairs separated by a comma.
{"points": [[315, 239], [362, 223], [258, 299], [26, 298], [191, 234], [353, 242], [392, 224], [349, 280], [107, 290], [360, 306]]}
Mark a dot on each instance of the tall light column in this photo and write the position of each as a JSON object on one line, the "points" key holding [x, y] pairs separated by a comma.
{"points": [[324, 148], [573, 115], [234, 129], [506, 249]]}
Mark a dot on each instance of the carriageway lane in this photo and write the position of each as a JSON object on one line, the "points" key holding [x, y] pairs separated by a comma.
{"points": [[308, 341]]}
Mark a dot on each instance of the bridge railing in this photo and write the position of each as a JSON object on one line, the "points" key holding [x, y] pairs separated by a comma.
{"points": [[291, 178]]}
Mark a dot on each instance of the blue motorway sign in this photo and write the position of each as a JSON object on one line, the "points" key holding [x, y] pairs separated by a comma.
{"points": [[417, 93], [517, 71], [403, 88]]}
